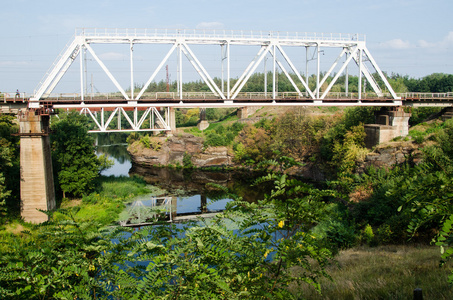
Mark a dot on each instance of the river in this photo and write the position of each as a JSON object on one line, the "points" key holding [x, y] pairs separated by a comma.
{"points": [[191, 191]]}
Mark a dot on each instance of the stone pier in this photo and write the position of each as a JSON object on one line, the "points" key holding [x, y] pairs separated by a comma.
{"points": [[37, 189], [203, 123], [389, 125]]}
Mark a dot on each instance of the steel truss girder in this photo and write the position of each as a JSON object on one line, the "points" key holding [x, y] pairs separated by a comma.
{"points": [[157, 121], [350, 45]]}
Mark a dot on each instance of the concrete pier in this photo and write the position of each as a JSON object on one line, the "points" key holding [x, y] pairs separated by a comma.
{"points": [[37, 189], [389, 125], [203, 123]]}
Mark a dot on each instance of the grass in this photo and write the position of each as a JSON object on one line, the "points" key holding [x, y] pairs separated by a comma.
{"points": [[108, 201], [385, 272]]}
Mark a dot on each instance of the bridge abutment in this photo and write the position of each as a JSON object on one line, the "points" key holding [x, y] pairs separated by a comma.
{"points": [[37, 189], [389, 125]]}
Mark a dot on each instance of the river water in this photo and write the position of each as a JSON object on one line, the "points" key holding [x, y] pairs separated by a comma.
{"points": [[192, 191]]}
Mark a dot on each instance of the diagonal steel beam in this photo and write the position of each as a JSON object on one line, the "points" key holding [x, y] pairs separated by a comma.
{"points": [[381, 75], [202, 71], [339, 72], [106, 70], [164, 60], [290, 63], [253, 66]]}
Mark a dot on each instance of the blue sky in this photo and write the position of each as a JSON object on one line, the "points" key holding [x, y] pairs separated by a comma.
{"points": [[409, 37]]}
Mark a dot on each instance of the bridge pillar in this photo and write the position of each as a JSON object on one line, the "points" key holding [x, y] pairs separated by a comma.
{"points": [[172, 119], [390, 124], [203, 124], [243, 112], [37, 189]]}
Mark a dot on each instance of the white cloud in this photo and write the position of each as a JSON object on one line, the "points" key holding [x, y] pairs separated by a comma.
{"points": [[396, 44], [446, 42], [210, 25]]}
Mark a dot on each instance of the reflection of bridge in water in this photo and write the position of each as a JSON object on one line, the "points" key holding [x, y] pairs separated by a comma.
{"points": [[158, 209]]}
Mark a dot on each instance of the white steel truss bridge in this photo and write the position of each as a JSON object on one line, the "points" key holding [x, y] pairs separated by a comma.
{"points": [[349, 50]]}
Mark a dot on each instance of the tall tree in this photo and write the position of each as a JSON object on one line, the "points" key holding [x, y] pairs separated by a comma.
{"points": [[74, 154], [9, 165]]}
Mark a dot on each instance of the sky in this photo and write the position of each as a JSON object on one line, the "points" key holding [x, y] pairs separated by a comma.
{"points": [[408, 37]]}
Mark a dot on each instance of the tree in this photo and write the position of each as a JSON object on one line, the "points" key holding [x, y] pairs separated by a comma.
{"points": [[75, 161], [9, 165]]}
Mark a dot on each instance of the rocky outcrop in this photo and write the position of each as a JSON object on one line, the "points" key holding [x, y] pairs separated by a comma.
{"points": [[176, 150], [390, 154]]}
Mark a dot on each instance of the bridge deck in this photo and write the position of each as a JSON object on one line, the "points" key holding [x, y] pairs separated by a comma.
{"points": [[206, 99], [193, 99]]}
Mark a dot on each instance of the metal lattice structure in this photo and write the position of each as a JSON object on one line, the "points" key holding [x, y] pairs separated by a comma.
{"points": [[351, 51]]}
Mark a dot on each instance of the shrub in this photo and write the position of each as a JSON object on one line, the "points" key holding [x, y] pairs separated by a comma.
{"points": [[187, 161], [368, 235], [214, 139]]}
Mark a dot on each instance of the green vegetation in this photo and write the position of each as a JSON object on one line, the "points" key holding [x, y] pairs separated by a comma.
{"points": [[280, 246], [73, 155], [9, 168]]}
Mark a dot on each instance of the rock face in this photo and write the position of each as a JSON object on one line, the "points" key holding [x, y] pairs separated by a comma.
{"points": [[173, 150], [389, 154]]}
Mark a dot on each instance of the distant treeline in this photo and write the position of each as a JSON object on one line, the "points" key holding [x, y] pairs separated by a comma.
{"points": [[434, 83]]}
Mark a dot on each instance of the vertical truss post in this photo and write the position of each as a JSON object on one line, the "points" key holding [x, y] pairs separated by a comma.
{"points": [[132, 68], [102, 119], [306, 63], [359, 87], [119, 120], [265, 78], [274, 67], [81, 76], [221, 62], [180, 70], [346, 79], [228, 70], [318, 70]]}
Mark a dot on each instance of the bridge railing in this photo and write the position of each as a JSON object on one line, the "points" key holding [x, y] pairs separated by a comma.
{"points": [[215, 33], [424, 96], [6, 97], [187, 96]]}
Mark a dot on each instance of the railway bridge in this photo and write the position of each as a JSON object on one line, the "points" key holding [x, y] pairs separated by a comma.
{"points": [[311, 62]]}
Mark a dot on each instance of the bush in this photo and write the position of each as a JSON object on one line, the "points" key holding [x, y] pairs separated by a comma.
{"points": [[367, 236], [214, 139], [187, 161]]}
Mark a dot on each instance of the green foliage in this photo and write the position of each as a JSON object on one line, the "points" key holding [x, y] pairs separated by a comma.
{"points": [[187, 161], [73, 152], [215, 139], [346, 154], [254, 250], [368, 236], [9, 167], [219, 135], [150, 143], [133, 136], [421, 114]]}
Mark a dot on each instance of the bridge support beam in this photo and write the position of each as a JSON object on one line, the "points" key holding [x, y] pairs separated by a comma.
{"points": [[37, 189], [389, 125]]}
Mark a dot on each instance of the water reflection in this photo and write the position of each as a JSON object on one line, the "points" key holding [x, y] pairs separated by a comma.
{"points": [[115, 147], [192, 192], [201, 182]]}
